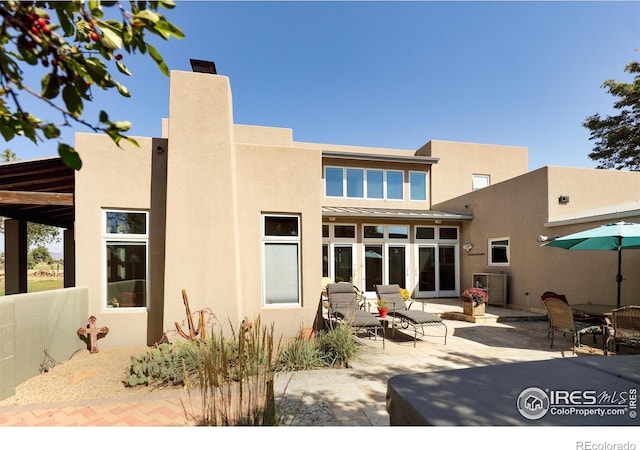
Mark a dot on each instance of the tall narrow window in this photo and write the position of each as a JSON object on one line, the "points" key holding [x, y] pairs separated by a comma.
{"points": [[333, 180], [375, 184], [355, 183], [395, 185], [126, 258], [418, 185], [281, 260]]}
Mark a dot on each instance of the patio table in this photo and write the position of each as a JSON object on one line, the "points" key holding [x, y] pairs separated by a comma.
{"points": [[593, 309], [594, 391]]}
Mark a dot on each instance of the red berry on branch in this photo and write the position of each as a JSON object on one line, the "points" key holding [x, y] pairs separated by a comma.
{"points": [[46, 30], [35, 30], [118, 57], [94, 36], [42, 21]]}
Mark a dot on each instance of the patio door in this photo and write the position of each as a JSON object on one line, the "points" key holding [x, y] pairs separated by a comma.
{"points": [[343, 262], [384, 264], [437, 270]]}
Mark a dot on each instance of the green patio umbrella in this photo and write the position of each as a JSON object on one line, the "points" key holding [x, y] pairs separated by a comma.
{"points": [[613, 236]]}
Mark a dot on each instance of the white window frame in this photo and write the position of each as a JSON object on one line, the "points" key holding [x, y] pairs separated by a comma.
{"points": [[386, 185], [480, 181], [426, 185], [365, 187], [490, 252], [287, 240], [127, 239], [386, 242], [344, 183], [332, 241]]}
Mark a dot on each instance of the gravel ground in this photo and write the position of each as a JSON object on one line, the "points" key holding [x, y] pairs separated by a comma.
{"points": [[85, 376]]}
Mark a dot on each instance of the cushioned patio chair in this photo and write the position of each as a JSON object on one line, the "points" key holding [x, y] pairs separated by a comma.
{"points": [[578, 317], [561, 319], [345, 307], [407, 317], [623, 328]]}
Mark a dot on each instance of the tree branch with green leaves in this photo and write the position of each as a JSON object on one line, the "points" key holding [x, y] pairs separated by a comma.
{"points": [[617, 137], [78, 48]]}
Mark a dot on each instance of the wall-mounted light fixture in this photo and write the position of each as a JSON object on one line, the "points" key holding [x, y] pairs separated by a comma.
{"points": [[547, 238], [468, 246]]}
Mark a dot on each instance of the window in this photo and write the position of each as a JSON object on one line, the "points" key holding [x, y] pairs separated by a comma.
{"points": [[344, 231], [351, 182], [125, 244], [480, 181], [499, 252], [418, 186], [355, 183], [425, 233], [448, 233], [333, 178], [337, 252], [375, 184], [281, 260], [395, 184]]}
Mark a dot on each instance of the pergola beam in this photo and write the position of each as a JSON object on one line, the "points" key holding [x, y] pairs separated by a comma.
{"points": [[35, 198]]}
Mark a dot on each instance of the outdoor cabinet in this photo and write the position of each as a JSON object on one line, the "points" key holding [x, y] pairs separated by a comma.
{"points": [[494, 284]]}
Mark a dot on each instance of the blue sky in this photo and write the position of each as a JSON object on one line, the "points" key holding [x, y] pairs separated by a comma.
{"points": [[397, 74]]}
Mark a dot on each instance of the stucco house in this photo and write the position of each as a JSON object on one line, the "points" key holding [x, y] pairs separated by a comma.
{"points": [[249, 221]]}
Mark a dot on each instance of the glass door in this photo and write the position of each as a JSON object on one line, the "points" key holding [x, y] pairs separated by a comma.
{"points": [[343, 263], [426, 271], [447, 268], [372, 267], [437, 271], [397, 265]]}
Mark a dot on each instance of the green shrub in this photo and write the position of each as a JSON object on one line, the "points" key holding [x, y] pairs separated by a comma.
{"points": [[302, 354], [339, 346]]}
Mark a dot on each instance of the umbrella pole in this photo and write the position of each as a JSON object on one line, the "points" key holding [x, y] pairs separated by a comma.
{"points": [[619, 276]]}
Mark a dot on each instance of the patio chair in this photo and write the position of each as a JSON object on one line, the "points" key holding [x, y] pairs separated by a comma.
{"points": [[579, 317], [623, 328], [561, 319], [345, 307], [407, 317]]}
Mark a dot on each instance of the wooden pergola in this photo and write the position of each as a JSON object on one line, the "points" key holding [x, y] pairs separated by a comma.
{"points": [[39, 191]]}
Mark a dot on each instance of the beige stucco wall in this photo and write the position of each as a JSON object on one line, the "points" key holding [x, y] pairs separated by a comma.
{"points": [[519, 209], [591, 191], [459, 161], [118, 178], [222, 177], [279, 180]]}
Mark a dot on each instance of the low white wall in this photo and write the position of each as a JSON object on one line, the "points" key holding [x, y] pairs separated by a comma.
{"points": [[31, 324]]}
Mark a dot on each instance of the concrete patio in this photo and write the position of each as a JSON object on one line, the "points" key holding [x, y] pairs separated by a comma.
{"points": [[356, 396]]}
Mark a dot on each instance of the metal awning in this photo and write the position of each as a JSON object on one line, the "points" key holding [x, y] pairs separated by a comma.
{"points": [[38, 190], [392, 213], [394, 158]]}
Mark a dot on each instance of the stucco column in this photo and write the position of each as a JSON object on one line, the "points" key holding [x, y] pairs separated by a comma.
{"points": [[69, 256], [15, 256]]}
